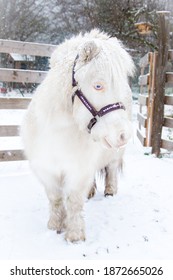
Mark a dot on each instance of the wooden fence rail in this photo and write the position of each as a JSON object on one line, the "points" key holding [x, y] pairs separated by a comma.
{"points": [[14, 103], [22, 76], [10, 46]]}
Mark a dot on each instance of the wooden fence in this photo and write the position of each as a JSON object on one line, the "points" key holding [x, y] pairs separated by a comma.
{"points": [[152, 99], [147, 98], [20, 76], [155, 79]]}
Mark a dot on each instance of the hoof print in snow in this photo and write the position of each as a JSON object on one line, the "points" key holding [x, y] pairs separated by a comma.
{"points": [[145, 238]]}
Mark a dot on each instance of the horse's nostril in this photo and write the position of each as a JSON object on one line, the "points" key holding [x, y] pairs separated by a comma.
{"points": [[122, 137]]}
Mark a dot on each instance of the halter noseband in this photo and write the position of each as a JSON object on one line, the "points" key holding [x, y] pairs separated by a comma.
{"points": [[103, 111]]}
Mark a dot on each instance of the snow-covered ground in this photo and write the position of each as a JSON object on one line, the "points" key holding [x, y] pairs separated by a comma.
{"points": [[135, 224]]}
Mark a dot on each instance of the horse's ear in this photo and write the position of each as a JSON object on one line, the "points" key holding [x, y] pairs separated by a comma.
{"points": [[88, 51]]}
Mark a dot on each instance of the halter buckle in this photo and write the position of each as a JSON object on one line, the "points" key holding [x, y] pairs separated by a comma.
{"points": [[91, 124]]}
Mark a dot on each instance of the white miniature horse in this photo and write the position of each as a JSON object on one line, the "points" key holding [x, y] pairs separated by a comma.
{"points": [[78, 123]]}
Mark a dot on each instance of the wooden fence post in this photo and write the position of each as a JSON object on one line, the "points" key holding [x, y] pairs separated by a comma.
{"points": [[151, 93], [161, 64]]}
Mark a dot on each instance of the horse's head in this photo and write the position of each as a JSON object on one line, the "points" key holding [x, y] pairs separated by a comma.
{"points": [[101, 94]]}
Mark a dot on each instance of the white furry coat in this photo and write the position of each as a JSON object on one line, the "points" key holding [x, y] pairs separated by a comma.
{"points": [[62, 153]]}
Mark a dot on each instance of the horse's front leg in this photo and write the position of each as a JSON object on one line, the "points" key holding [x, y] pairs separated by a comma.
{"points": [[75, 227], [57, 214], [111, 178]]}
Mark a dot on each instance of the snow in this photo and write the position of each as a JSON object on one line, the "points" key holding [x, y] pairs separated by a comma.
{"points": [[135, 224], [22, 57]]}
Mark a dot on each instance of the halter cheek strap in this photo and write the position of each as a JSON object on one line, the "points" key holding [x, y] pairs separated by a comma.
{"points": [[103, 111]]}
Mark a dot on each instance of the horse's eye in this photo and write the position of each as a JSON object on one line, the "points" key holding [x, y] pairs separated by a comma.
{"points": [[98, 86]]}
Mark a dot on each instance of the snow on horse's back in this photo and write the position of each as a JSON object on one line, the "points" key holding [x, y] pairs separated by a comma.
{"points": [[78, 123]]}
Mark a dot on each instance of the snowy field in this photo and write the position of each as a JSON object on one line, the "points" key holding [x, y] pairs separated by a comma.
{"points": [[135, 224]]}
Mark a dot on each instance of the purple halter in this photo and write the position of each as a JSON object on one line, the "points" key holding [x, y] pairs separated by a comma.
{"points": [[103, 111]]}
